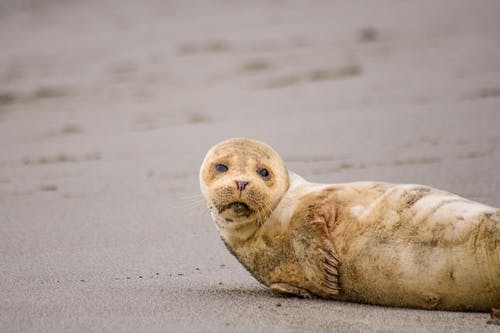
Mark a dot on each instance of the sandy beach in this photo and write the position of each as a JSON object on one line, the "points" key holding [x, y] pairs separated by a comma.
{"points": [[108, 107]]}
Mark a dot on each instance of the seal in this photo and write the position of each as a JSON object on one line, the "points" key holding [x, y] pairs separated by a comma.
{"points": [[399, 245]]}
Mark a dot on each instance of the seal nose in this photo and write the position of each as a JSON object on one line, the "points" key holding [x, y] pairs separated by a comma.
{"points": [[241, 184]]}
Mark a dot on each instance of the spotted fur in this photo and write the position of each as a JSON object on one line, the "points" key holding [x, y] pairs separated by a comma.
{"points": [[379, 243]]}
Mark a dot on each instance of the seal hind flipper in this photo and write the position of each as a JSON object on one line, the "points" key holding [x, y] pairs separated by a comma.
{"points": [[315, 252]]}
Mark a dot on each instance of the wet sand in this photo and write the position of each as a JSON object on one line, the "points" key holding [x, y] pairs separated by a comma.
{"points": [[108, 107]]}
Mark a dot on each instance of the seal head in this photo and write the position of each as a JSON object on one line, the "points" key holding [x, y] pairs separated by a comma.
{"points": [[243, 181]]}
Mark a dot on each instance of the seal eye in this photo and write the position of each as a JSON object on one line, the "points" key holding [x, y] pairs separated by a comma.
{"points": [[221, 167], [263, 172]]}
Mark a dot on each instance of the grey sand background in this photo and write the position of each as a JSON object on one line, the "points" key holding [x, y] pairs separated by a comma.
{"points": [[108, 107]]}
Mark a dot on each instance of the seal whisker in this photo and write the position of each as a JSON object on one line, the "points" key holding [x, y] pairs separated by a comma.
{"points": [[260, 218], [267, 211]]}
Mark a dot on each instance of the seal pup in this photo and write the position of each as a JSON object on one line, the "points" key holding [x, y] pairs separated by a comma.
{"points": [[369, 242]]}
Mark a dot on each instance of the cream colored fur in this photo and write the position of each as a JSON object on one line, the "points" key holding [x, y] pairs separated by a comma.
{"points": [[372, 242]]}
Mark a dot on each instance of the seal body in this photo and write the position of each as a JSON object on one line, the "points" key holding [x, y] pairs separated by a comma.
{"points": [[371, 242]]}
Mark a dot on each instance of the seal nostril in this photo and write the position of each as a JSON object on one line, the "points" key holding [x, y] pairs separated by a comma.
{"points": [[241, 184]]}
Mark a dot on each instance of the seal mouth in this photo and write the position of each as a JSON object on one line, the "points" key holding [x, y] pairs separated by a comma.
{"points": [[239, 208]]}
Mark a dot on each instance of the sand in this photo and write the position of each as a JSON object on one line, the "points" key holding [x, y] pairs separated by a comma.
{"points": [[108, 107]]}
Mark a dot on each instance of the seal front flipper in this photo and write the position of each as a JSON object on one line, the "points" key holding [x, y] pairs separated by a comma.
{"points": [[289, 290], [315, 253]]}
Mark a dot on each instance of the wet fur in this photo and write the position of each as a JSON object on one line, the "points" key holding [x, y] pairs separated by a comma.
{"points": [[378, 243]]}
